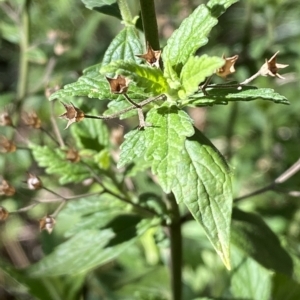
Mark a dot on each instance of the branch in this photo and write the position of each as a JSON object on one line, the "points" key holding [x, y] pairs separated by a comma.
{"points": [[274, 185]]}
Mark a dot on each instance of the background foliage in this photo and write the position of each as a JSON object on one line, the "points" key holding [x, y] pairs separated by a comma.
{"points": [[259, 139]]}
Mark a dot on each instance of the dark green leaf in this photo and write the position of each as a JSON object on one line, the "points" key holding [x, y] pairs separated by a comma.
{"points": [[285, 288], [91, 134], [108, 7], [222, 95], [204, 185], [252, 235]]}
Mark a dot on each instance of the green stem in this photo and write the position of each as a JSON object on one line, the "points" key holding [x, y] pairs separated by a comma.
{"points": [[125, 12], [175, 249], [23, 63], [150, 23]]}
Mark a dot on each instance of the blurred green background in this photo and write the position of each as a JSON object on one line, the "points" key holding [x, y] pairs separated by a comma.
{"points": [[260, 139]]}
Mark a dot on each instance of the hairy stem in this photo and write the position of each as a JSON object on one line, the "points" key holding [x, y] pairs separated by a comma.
{"points": [[175, 249], [125, 12], [150, 23]]}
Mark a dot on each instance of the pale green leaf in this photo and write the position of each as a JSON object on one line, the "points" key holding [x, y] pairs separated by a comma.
{"points": [[124, 46], [165, 141], [249, 280], [204, 185], [108, 7], [91, 248], [218, 7], [253, 236], [146, 77], [55, 162], [196, 70]]}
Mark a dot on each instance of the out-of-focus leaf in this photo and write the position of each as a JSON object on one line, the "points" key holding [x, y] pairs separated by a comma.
{"points": [[204, 185], [10, 32], [91, 134], [36, 55], [249, 279], [218, 7], [89, 249], [253, 236], [284, 287], [22, 285], [124, 46], [108, 7], [55, 162]]}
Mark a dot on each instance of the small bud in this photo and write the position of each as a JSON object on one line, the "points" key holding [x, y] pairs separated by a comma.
{"points": [[270, 67], [118, 85], [47, 223], [228, 67], [6, 189], [31, 120], [33, 182], [72, 114], [5, 119], [72, 155], [3, 213], [6, 146], [151, 56]]}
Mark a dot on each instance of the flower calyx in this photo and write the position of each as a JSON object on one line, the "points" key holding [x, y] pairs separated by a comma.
{"points": [[228, 67], [47, 223], [72, 114], [152, 57], [6, 189], [33, 182], [3, 213], [271, 67], [118, 85]]}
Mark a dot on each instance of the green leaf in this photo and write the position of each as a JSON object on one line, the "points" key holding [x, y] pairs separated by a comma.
{"points": [[66, 288], [196, 70], [218, 7], [285, 288], [124, 46], [252, 235], [91, 134], [91, 248], [220, 94], [146, 77], [204, 185], [54, 161], [92, 84], [108, 7], [133, 147], [249, 280], [165, 141]]}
